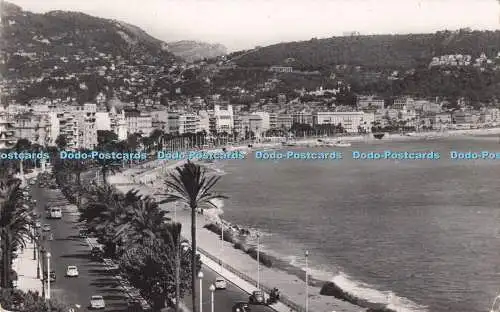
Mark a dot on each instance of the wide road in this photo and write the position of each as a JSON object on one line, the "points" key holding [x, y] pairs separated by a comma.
{"points": [[68, 249], [223, 299]]}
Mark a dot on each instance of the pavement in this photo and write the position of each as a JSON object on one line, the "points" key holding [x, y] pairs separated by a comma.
{"points": [[26, 269], [68, 249]]}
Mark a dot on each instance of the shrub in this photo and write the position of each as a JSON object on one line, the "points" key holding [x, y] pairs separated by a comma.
{"points": [[263, 258], [331, 289], [214, 228]]}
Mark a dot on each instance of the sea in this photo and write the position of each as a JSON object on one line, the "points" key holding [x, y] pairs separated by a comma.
{"points": [[419, 235]]}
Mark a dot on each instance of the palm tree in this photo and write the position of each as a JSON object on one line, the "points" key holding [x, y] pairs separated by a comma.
{"points": [[14, 224], [190, 185], [142, 222]]}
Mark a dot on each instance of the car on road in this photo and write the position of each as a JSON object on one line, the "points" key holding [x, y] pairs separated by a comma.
{"points": [[55, 213], [220, 283], [72, 271], [97, 302], [52, 276], [134, 305], [257, 297], [96, 253], [241, 307], [83, 233], [46, 228], [33, 182], [38, 224]]}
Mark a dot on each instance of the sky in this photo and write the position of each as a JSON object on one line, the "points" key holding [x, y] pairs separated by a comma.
{"points": [[244, 24]]}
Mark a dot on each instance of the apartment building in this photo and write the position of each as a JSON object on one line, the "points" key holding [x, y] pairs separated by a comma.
{"points": [[159, 119], [188, 123], [370, 102], [441, 118], [465, 117], [34, 128], [204, 124], [284, 121], [403, 103], [86, 131], [350, 121], [490, 115], [138, 122], [281, 69], [223, 118], [173, 122], [265, 120], [7, 129], [302, 117]]}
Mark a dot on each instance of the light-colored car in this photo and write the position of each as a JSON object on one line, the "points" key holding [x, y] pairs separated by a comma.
{"points": [[72, 271], [38, 224], [46, 228], [220, 283], [97, 302]]}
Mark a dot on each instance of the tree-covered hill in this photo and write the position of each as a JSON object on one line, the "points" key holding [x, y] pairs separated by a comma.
{"points": [[61, 33], [375, 51]]}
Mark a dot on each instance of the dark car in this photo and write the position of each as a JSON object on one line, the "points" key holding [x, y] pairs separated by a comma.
{"points": [[134, 305], [257, 297], [83, 233], [241, 307], [52, 276], [96, 253]]}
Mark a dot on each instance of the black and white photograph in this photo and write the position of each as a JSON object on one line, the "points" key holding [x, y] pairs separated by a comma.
{"points": [[250, 155]]}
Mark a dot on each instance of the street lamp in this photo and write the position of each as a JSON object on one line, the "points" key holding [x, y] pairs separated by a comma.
{"points": [[200, 277], [212, 289], [307, 283], [177, 273], [258, 260], [48, 276]]}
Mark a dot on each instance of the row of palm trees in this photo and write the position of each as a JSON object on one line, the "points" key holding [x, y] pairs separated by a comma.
{"points": [[15, 218], [136, 232]]}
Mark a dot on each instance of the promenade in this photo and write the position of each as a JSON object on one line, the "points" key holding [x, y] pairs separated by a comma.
{"points": [[239, 267], [26, 269]]}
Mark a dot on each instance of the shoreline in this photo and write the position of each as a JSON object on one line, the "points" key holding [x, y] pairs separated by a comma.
{"points": [[278, 264], [290, 279]]}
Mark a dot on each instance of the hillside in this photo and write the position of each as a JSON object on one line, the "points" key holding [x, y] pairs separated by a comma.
{"points": [[193, 50], [377, 51], [64, 34]]}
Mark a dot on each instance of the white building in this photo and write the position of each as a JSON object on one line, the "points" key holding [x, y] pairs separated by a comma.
{"points": [[265, 123], [138, 122], [86, 132], [368, 102], [102, 121], [188, 123], [204, 124], [350, 121], [224, 118], [490, 115]]}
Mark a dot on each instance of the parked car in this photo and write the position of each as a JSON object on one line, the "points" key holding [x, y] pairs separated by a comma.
{"points": [[220, 283], [134, 305], [257, 297], [96, 253], [52, 276], [83, 233], [97, 302], [46, 228], [72, 271], [38, 224], [241, 307]]}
